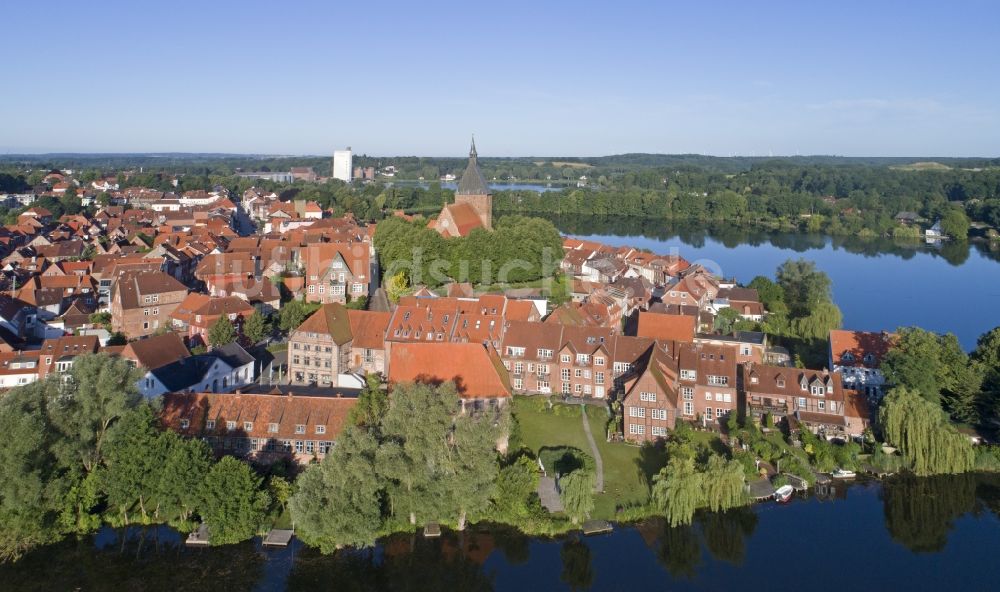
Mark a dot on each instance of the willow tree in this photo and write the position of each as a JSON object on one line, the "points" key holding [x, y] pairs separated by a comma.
{"points": [[677, 491], [928, 441], [576, 491], [724, 484]]}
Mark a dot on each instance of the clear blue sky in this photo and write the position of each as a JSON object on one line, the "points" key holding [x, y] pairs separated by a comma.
{"points": [[529, 78]]}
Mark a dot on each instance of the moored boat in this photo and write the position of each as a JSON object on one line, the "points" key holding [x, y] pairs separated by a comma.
{"points": [[784, 493], [843, 474]]}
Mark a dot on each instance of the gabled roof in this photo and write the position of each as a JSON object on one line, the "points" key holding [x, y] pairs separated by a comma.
{"points": [[465, 216], [331, 319], [859, 344], [368, 328], [476, 371], [666, 327], [232, 354], [156, 351]]}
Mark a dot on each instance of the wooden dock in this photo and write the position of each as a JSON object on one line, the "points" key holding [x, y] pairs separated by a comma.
{"points": [[880, 473], [592, 527], [432, 530], [278, 537], [198, 538], [797, 483], [761, 489]]}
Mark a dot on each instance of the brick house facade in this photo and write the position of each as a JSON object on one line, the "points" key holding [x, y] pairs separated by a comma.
{"points": [[142, 302]]}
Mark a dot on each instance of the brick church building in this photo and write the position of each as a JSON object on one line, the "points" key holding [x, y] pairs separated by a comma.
{"points": [[473, 207]]}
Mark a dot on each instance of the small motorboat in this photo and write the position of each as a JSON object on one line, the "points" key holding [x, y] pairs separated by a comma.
{"points": [[784, 493], [843, 474]]}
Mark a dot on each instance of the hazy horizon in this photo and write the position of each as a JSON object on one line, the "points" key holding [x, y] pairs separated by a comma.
{"points": [[852, 78]]}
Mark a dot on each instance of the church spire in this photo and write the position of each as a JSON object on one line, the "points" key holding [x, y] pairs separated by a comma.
{"points": [[472, 181]]}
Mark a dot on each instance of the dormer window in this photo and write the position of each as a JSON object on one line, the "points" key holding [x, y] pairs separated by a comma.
{"points": [[780, 382]]}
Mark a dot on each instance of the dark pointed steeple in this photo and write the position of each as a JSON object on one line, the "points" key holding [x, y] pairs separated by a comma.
{"points": [[473, 182]]}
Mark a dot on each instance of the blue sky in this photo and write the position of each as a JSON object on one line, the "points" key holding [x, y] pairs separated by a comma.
{"points": [[528, 78]]}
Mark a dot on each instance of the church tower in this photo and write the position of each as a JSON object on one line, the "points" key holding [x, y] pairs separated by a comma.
{"points": [[473, 190]]}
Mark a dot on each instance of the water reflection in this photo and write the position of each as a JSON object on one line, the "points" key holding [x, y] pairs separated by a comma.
{"points": [[696, 234], [922, 515], [920, 512]]}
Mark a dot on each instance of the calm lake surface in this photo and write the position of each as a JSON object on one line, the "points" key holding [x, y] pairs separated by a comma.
{"points": [[906, 534], [878, 284]]}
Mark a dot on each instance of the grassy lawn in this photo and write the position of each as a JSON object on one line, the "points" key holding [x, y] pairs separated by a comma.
{"points": [[561, 426]]}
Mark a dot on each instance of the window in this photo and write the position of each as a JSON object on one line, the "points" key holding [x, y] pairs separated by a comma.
{"points": [[708, 412], [658, 431], [688, 375], [577, 373], [599, 361], [577, 388], [753, 379], [272, 428], [564, 373], [658, 414], [780, 382], [230, 425], [745, 350], [184, 424], [650, 397], [718, 380], [688, 408], [687, 393], [833, 406], [210, 424], [298, 446], [518, 384], [300, 428], [247, 426], [637, 412], [821, 405], [708, 396], [320, 429], [727, 397], [817, 390], [802, 402], [636, 429], [545, 354], [518, 368], [599, 378], [582, 359], [516, 352], [719, 411], [309, 446], [565, 358]]}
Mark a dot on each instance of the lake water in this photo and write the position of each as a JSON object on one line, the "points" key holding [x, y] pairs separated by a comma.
{"points": [[908, 534], [878, 284], [452, 185]]}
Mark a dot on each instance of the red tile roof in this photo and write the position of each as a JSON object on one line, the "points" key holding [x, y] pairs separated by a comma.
{"points": [[666, 327], [476, 372]]}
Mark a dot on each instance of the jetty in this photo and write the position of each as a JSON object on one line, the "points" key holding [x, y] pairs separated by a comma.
{"points": [[797, 483], [432, 530], [592, 527], [278, 537], [198, 538], [761, 489]]}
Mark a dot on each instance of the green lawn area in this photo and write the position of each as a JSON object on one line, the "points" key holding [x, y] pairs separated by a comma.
{"points": [[562, 426]]}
